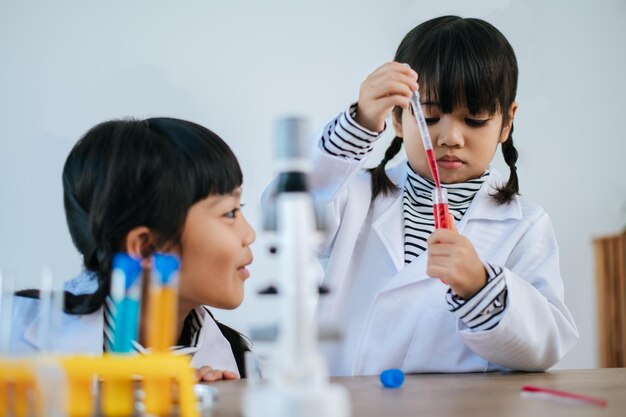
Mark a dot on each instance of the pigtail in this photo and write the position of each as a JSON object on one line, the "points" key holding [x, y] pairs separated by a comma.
{"points": [[77, 304], [380, 181], [94, 259], [506, 193]]}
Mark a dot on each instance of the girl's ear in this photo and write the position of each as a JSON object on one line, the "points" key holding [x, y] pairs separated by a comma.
{"points": [[506, 129], [139, 242], [396, 120]]}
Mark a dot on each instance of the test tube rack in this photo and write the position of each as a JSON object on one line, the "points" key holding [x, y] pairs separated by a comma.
{"points": [[21, 389]]}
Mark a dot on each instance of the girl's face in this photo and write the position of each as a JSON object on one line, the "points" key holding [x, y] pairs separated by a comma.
{"points": [[464, 143], [214, 252]]}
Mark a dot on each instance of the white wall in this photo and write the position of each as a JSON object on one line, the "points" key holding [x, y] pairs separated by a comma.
{"points": [[235, 66]]}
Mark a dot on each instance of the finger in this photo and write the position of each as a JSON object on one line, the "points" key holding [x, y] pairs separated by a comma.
{"points": [[202, 371], [441, 249], [445, 261], [214, 375], [395, 67], [386, 104], [385, 88], [404, 68], [387, 74], [437, 271], [207, 376], [230, 375], [442, 236], [386, 68], [406, 79], [451, 223]]}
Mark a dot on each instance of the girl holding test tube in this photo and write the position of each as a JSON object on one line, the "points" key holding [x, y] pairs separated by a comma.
{"points": [[497, 299], [141, 187]]}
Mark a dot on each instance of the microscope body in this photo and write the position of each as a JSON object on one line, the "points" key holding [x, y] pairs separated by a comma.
{"points": [[298, 384]]}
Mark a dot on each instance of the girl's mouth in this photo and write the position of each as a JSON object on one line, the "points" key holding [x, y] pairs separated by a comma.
{"points": [[243, 272], [450, 162]]}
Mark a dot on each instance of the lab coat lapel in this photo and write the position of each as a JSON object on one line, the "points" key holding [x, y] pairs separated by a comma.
{"points": [[390, 229], [412, 273], [484, 206], [390, 224]]}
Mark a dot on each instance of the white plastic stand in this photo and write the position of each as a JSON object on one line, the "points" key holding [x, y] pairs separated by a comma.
{"points": [[298, 385]]}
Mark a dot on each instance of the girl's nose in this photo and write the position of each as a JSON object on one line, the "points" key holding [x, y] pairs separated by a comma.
{"points": [[249, 233], [450, 134]]}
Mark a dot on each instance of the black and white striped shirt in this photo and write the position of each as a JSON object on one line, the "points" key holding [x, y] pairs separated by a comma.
{"points": [[419, 220], [344, 138]]}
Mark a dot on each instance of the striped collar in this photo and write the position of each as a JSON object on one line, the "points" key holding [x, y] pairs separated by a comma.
{"points": [[417, 205], [188, 342], [460, 195], [389, 227]]}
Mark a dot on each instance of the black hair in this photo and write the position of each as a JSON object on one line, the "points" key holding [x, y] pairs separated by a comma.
{"points": [[127, 173], [460, 62]]}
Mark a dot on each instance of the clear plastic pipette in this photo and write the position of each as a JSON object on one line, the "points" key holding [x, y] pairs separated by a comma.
{"points": [[430, 153], [428, 144]]}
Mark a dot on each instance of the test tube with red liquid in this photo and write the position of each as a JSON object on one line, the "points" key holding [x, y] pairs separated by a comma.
{"points": [[440, 208], [440, 195]]}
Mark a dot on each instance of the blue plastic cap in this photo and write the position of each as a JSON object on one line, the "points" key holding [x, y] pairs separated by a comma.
{"points": [[166, 266], [129, 265], [392, 378]]}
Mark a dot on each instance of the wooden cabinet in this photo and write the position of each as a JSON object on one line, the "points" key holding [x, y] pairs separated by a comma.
{"points": [[610, 257]]}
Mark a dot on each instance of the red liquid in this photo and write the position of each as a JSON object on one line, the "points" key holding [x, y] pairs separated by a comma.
{"points": [[440, 209], [440, 212], [432, 163]]}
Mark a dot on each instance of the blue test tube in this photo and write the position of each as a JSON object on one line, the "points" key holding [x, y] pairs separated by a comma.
{"points": [[126, 296], [117, 398]]}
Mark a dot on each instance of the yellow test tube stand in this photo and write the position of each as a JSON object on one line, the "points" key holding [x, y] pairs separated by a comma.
{"points": [[17, 377], [80, 371]]}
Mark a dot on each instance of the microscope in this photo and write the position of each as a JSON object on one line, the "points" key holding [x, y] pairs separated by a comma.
{"points": [[298, 385]]}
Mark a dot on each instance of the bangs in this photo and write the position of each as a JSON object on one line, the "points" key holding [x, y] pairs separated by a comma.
{"points": [[203, 162], [460, 64], [193, 164]]}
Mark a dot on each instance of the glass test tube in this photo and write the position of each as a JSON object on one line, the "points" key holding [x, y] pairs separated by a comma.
{"points": [[440, 208]]}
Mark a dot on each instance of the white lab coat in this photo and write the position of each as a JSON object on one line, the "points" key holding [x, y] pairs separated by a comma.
{"points": [[83, 334], [394, 316]]}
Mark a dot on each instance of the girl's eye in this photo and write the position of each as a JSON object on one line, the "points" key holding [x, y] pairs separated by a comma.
{"points": [[476, 122], [431, 120], [232, 214]]}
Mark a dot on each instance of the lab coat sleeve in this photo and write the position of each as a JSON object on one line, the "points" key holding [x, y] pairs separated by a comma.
{"points": [[537, 329], [340, 152]]}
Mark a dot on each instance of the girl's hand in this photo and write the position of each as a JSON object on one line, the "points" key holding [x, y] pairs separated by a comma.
{"points": [[390, 85], [208, 374], [453, 259]]}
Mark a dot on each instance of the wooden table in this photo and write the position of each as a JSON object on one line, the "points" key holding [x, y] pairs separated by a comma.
{"points": [[467, 395]]}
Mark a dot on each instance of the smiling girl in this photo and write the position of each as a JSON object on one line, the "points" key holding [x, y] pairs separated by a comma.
{"points": [[146, 186]]}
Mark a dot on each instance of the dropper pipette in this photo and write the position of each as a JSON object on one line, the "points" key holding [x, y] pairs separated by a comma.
{"points": [[430, 153], [428, 144]]}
